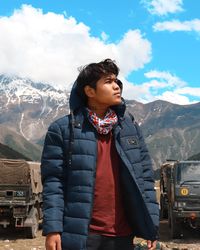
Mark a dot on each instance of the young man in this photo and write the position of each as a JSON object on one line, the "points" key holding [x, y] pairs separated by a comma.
{"points": [[98, 187]]}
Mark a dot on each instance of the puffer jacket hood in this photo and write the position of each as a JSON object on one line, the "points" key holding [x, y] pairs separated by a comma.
{"points": [[76, 102]]}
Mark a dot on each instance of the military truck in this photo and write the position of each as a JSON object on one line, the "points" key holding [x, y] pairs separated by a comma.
{"points": [[20, 195], [180, 195]]}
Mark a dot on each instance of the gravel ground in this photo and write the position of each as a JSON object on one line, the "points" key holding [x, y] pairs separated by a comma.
{"points": [[15, 240], [190, 240]]}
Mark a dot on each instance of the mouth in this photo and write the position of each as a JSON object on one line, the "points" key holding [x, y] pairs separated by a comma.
{"points": [[117, 94]]}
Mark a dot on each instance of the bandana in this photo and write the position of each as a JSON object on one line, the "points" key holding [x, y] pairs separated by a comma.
{"points": [[103, 126]]}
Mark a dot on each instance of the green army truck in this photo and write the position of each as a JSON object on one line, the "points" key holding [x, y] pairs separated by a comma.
{"points": [[20, 195], [180, 195]]}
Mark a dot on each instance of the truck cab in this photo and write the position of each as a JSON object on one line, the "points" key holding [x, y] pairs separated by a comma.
{"points": [[180, 195]]}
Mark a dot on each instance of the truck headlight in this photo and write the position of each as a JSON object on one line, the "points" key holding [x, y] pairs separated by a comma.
{"points": [[181, 204]]}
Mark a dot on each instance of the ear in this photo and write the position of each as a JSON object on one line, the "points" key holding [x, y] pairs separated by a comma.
{"points": [[89, 91]]}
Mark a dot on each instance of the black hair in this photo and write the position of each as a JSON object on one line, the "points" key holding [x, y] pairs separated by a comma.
{"points": [[91, 73]]}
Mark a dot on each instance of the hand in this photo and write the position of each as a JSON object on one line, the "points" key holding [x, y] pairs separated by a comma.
{"points": [[53, 241], [151, 245]]}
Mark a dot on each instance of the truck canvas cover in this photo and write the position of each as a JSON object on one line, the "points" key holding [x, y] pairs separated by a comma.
{"points": [[20, 172]]}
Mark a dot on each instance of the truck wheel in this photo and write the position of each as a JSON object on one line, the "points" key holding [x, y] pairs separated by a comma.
{"points": [[163, 210], [31, 232], [175, 229]]}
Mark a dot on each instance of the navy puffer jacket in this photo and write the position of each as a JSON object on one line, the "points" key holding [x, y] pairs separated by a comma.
{"points": [[68, 180]]}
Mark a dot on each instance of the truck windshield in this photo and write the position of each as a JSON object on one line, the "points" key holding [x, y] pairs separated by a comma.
{"points": [[188, 172]]}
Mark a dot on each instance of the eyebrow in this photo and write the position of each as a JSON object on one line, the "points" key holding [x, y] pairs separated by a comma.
{"points": [[110, 78]]}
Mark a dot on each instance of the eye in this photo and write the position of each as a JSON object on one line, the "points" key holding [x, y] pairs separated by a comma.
{"points": [[108, 81]]}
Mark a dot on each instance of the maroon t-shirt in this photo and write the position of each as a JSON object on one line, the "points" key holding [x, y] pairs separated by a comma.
{"points": [[108, 217]]}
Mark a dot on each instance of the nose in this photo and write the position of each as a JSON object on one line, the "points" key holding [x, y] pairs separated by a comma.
{"points": [[115, 85]]}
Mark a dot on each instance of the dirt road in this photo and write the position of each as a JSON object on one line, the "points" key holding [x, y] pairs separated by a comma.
{"points": [[12, 240], [189, 241], [16, 240]]}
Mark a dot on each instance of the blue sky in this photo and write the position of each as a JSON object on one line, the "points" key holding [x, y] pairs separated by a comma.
{"points": [[156, 43]]}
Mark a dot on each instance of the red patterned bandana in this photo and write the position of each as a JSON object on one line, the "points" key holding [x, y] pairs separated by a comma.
{"points": [[103, 126]]}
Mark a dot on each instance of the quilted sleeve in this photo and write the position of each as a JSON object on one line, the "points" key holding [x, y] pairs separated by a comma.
{"points": [[52, 164], [148, 177]]}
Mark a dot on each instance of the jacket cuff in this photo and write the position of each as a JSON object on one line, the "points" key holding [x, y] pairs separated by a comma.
{"points": [[52, 227]]}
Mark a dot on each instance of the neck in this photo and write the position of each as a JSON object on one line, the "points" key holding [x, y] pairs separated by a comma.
{"points": [[100, 111]]}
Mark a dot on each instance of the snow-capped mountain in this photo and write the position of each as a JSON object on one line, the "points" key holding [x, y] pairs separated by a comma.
{"points": [[28, 107]]}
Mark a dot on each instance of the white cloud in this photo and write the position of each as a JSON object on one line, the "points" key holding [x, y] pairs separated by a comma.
{"points": [[173, 97], [50, 47], [132, 91], [189, 91], [169, 79], [133, 50], [163, 7], [162, 85], [176, 25]]}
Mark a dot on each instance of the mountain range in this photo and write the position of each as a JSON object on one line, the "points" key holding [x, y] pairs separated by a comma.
{"points": [[27, 108], [171, 131]]}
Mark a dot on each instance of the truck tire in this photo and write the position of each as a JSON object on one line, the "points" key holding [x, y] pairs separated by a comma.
{"points": [[31, 232], [163, 210], [175, 229]]}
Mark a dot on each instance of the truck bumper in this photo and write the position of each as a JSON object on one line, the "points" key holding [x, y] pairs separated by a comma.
{"points": [[12, 203], [186, 214]]}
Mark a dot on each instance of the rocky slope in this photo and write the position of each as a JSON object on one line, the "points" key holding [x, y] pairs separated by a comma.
{"points": [[195, 157], [9, 153], [171, 130], [21, 146]]}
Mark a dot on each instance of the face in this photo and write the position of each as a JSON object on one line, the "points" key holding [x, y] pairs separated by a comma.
{"points": [[107, 92]]}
